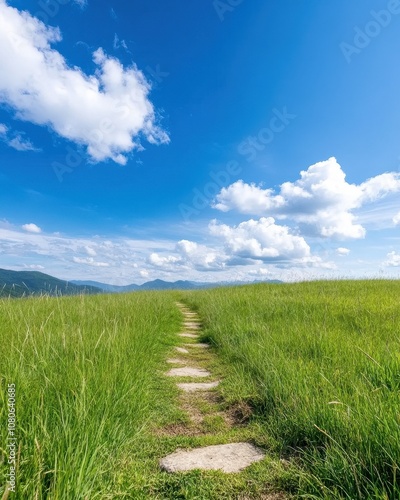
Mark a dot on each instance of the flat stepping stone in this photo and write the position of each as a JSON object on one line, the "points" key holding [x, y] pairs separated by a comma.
{"points": [[191, 324], [199, 344], [176, 361], [188, 372], [197, 386], [225, 457], [189, 335], [182, 350]]}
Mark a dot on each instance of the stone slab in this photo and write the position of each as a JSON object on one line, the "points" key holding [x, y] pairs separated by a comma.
{"points": [[182, 350], [188, 371], [228, 458], [197, 386], [200, 345]]}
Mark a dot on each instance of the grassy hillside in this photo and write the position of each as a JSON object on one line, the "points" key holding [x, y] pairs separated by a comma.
{"points": [[25, 283], [320, 365], [85, 374]]}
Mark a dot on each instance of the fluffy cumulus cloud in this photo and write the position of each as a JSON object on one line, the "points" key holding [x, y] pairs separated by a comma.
{"points": [[321, 201], [107, 112], [392, 259], [261, 240], [190, 255], [31, 228], [342, 251]]}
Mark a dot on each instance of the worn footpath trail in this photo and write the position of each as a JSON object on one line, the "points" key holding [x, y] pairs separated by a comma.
{"points": [[199, 398]]}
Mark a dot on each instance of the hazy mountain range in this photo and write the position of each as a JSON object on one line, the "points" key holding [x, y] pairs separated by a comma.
{"points": [[25, 283]]}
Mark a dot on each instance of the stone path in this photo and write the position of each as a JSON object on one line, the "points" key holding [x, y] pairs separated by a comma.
{"points": [[228, 458], [200, 386], [188, 372], [225, 457]]}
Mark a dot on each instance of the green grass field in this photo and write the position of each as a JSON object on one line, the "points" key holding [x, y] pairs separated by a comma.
{"points": [[84, 369], [318, 364]]}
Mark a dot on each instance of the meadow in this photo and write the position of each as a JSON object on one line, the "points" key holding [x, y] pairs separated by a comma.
{"points": [[317, 365], [84, 370]]}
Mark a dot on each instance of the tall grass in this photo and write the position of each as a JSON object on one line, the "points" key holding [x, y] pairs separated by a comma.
{"points": [[84, 369], [320, 364]]}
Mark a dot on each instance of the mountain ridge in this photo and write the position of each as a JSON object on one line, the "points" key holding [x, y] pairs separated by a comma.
{"points": [[28, 283], [159, 284]]}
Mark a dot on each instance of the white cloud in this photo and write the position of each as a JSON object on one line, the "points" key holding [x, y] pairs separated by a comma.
{"points": [[201, 257], [396, 219], [31, 228], [107, 112], [35, 267], [21, 144], [89, 261], [90, 251], [262, 240], [393, 259], [163, 262], [15, 140], [321, 200], [342, 251]]}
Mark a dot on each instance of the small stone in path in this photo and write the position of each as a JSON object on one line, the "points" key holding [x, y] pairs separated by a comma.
{"points": [[182, 350], [199, 344], [191, 324], [194, 387], [188, 372], [225, 457], [176, 361], [189, 335]]}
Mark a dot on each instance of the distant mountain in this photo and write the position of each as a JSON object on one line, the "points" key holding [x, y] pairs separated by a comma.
{"points": [[165, 285], [150, 285], [107, 288], [24, 283]]}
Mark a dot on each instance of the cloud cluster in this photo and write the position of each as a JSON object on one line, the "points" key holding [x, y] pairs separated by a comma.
{"points": [[107, 112], [321, 202], [261, 240], [189, 255]]}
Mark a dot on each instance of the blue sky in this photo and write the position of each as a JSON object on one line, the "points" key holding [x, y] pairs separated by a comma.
{"points": [[143, 140]]}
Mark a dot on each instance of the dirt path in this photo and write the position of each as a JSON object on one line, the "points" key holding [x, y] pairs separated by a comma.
{"points": [[203, 404]]}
